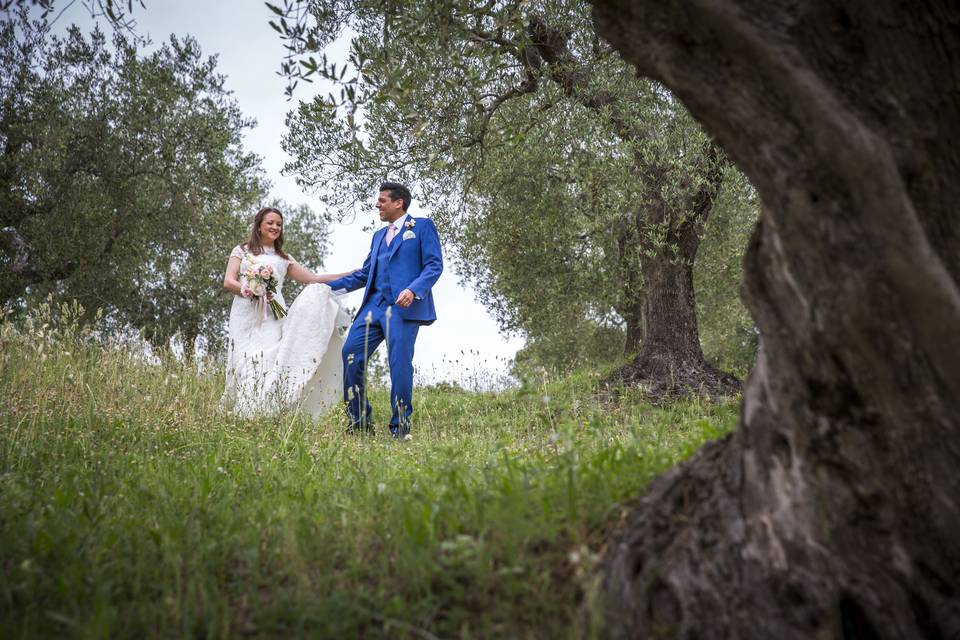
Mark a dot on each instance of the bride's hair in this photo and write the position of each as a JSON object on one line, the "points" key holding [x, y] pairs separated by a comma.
{"points": [[255, 243]]}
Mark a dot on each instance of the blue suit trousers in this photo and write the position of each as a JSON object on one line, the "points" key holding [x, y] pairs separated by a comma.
{"points": [[376, 322]]}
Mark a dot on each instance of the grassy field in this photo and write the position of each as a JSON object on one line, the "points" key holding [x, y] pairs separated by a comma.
{"points": [[131, 507]]}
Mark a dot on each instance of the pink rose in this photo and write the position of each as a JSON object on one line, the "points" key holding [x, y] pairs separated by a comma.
{"points": [[266, 271], [245, 291]]}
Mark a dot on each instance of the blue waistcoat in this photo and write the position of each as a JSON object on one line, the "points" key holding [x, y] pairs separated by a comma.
{"points": [[380, 287]]}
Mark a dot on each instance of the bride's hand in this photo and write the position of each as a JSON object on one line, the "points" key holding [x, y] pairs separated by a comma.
{"points": [[330, 277]]}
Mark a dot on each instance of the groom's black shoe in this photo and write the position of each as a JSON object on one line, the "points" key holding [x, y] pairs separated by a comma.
{"points": [[359, 429]]}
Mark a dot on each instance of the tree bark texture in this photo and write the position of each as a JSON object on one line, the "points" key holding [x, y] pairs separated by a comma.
{"points": [[833, 511]]}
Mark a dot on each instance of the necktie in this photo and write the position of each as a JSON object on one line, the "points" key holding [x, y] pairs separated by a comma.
{"points": [[391, 232]]}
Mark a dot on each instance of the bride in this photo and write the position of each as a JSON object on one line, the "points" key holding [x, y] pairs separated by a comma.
{"points": [[276, 362]]}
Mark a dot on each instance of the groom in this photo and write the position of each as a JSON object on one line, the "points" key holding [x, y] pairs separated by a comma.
{"points": [[403, 265]]}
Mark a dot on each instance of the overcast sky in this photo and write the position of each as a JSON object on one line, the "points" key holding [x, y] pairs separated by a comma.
{"points": [[464, 343]]}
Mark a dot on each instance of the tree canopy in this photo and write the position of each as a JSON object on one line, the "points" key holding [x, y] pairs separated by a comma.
{"points": [[123, 181], [522, 131]]}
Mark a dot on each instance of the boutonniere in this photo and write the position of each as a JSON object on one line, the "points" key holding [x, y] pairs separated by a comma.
{"points": [[409, 224]]}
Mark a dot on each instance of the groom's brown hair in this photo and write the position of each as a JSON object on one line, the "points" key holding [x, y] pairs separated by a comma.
{"points": [[397, 192]]}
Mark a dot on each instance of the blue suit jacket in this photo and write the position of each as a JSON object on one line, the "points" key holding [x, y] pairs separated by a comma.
{"points": [[415, 263]]}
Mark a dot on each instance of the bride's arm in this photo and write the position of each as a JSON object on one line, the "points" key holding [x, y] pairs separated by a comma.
{"points": [[231, 279], [304, 275]]}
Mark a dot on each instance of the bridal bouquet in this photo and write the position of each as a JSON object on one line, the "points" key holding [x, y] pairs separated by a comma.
{"points": [[259, 283]]}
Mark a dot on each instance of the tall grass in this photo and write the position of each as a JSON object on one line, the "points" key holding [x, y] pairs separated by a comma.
{"points": [[130, 506]]}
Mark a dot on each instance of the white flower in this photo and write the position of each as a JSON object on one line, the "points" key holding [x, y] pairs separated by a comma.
{"points": [[410, 223]]}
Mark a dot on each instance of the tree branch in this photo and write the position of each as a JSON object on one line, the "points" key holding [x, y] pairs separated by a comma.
{"points": [[553, 53], [529, 85]]}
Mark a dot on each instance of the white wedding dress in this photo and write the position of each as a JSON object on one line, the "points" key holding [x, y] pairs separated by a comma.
{"points": [[292, 363]]}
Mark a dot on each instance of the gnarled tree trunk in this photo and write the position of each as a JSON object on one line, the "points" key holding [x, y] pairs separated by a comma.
{"points": [[662, 326], [834, 509]]}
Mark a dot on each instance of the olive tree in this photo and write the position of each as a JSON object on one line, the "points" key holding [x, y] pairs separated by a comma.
{"points": [[123, 182], [448, 95]]}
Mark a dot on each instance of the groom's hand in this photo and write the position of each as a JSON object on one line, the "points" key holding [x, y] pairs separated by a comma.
{"points": [[405, 299]]}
